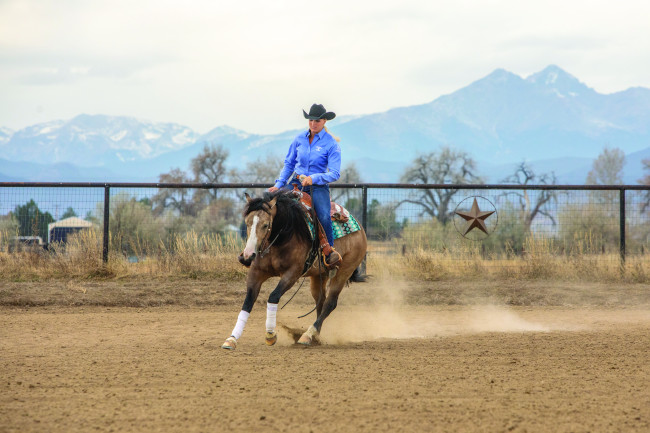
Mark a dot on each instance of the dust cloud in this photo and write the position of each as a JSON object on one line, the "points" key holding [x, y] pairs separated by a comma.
{"points": [[491, 318], [377, 311]]}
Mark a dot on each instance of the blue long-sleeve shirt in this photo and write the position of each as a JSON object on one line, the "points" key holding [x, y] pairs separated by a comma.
{"points": [[321, 159]]}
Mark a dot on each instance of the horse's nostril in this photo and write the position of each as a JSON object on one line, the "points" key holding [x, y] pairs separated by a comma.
{"points": [[245, 261]]}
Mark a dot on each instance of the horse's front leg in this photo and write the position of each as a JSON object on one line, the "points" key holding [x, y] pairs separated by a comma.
{"points": [[286, 282], [253, 285]]}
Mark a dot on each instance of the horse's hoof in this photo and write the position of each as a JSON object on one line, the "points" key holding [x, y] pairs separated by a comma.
{"points": [[229, 344], [271, 338], [305, 340], [308, 336]]}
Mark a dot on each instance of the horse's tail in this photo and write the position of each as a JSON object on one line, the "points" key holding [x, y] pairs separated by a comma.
{"points": [[357, 277]]}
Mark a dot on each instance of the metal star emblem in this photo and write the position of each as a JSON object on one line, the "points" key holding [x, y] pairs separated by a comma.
{"points": [[476, 218]]}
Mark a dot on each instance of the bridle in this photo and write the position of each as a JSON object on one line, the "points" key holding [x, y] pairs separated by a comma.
{"points": [[263, 251]]}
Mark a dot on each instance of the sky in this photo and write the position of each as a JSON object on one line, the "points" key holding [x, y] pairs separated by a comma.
{"points": [[254, 65]]}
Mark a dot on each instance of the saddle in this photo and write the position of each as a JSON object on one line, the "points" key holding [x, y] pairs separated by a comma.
{"points": [[335, 259]]}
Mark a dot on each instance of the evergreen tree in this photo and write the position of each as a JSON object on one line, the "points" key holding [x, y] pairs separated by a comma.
{"points": [[69, 212], [31, 220]]}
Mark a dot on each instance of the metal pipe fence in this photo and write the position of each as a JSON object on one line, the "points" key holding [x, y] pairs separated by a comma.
{"points": [[140, 219]]}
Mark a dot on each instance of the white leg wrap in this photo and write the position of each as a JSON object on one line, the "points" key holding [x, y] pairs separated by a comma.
{"points": [[241, 323], [271, 315]]}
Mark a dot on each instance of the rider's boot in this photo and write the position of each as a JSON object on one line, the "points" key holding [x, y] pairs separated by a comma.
{"points": [[332, 257]]}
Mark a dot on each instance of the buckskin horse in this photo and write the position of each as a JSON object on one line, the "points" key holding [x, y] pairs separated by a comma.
{"points": [[281, 243]]}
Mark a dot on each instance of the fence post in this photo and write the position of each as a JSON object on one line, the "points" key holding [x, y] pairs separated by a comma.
{"points": [[621, 202], [107, 198], [364, 221], [364, 211]]}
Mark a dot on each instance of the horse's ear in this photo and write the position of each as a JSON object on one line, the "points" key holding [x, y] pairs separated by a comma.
{"points": [[248, 197], [272, 202]]}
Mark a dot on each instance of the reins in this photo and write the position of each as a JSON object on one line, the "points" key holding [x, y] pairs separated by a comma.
{"points": [[266, 250], [263, 252], [322, 289], [320, 294]]}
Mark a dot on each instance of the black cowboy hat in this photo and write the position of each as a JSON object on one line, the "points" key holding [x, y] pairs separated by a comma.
{"points": [[317, 111]]}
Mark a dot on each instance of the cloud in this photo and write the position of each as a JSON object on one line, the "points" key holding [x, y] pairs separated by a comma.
{"points": [[46, 76], [559, 42], [205, 62], [38, 67]]}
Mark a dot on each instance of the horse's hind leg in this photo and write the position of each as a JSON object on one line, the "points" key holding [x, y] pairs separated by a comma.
{"points": [[318, 292], [336, 286], [353, 248]]}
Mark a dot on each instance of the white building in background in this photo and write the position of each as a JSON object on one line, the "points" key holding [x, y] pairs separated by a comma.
{"points": [[59, 231]]}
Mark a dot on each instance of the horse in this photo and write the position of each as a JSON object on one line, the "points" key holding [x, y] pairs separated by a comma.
{"points": [[280, 243]]}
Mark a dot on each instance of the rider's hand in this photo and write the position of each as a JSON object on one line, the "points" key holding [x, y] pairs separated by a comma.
{"points": [[307, 181], [272, 189]]}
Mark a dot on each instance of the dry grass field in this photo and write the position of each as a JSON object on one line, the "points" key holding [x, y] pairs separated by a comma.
{"points": [[211, 257]]}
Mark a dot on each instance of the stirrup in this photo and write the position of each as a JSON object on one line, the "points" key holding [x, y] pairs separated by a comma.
{"points": [[334, 260]]}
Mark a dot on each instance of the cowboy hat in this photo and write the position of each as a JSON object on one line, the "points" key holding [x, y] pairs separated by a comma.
{"points": [[317, 111]]}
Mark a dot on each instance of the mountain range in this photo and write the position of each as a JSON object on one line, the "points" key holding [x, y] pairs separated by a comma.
{"points": [[549, 119]]}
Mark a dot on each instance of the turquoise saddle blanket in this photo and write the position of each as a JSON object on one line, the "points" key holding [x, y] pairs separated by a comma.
{"points": [[339, 228], [343, 229]]}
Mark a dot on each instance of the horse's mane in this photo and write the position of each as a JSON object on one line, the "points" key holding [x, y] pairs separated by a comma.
{"points": [[289, 219]]}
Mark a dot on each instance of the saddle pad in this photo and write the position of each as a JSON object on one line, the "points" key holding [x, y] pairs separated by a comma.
{"points": [[339, 229], [342, 229], [310, 224]]}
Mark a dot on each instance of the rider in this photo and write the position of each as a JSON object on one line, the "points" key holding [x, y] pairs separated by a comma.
{"points": [[316, 156]]}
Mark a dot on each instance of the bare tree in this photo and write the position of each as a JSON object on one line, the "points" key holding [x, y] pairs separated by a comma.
{"points": [[524, 175], [446, 166], [209, 167], [350, 174], [645, 180], [173, 198], [607, 168], [261, 170]]}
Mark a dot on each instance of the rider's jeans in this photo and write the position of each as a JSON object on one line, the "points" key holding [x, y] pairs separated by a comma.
{"points": [[320, 199]]}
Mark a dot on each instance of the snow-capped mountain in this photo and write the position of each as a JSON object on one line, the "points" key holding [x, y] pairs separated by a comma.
{"points": [[505, 118], [96, 141], [5, 135], [500, 120]]}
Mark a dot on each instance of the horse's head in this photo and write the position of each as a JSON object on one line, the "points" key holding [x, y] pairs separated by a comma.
{"points": [[259, 216]]}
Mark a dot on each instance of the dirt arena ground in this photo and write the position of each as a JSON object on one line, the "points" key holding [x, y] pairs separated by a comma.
{"points": [[391, 366]]}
